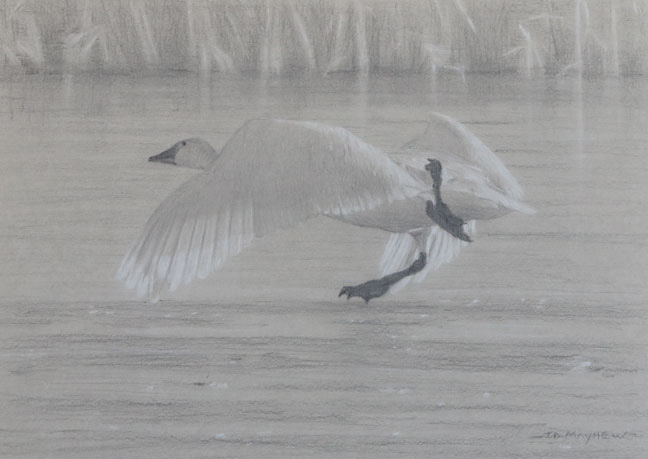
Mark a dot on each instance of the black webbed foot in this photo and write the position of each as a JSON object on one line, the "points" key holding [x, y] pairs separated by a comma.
{"points": [[378, 287], [366, 291], [434, 168], [446, 220]]}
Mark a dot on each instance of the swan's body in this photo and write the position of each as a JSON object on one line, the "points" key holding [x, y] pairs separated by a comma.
{"points": [[273, 174]]}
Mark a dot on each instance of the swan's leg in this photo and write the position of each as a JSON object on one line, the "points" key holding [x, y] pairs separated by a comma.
{"points": [[378, 287], [439, 212]]}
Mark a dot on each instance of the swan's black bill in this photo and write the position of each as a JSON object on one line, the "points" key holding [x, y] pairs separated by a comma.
{"points": [[167, 156]]}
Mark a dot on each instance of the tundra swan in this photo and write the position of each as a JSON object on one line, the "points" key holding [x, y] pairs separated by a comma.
{"points": [[273, 174]]}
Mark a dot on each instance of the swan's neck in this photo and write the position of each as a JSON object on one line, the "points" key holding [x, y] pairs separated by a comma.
{"points": [[203, 159]]}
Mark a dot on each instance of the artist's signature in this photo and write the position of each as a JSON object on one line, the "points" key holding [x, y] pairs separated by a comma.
{"points": [[587, 437]]}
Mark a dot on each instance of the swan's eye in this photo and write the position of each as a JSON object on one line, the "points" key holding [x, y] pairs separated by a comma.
{"points": [[184, 143]]}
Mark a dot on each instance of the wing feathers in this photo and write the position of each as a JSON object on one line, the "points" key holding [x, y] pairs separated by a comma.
{"points": [[196, 249], [443, 248], [271, 175], [403, 248], [180, 255], [399, 253], [448, 140], [207, 252]]}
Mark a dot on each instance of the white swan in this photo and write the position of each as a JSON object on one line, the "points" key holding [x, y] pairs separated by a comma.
{"points": [[273, 174]]}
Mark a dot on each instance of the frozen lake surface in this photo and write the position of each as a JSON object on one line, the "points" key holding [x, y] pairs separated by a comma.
{"points": [[531, 343]]}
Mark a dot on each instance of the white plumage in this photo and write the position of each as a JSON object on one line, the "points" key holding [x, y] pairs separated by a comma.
{"points": [[273, 174]]}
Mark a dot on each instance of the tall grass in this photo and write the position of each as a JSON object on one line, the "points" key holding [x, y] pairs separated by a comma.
{"points": [[598, 37], [20, 37]]}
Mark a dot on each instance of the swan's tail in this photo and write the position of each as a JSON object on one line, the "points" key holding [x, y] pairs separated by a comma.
{"points": [[518, 206]]}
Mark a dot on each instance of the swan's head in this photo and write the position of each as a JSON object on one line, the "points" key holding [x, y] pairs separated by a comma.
{"points": [[434, 168], [194, 153]]}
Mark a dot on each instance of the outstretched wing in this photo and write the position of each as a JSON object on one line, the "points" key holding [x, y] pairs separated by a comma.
{"points": [[451, 142], [271, 174], [476, 184]]}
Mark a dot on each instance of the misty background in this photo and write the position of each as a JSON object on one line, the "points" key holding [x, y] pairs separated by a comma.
{"points": [[531, 343]]}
